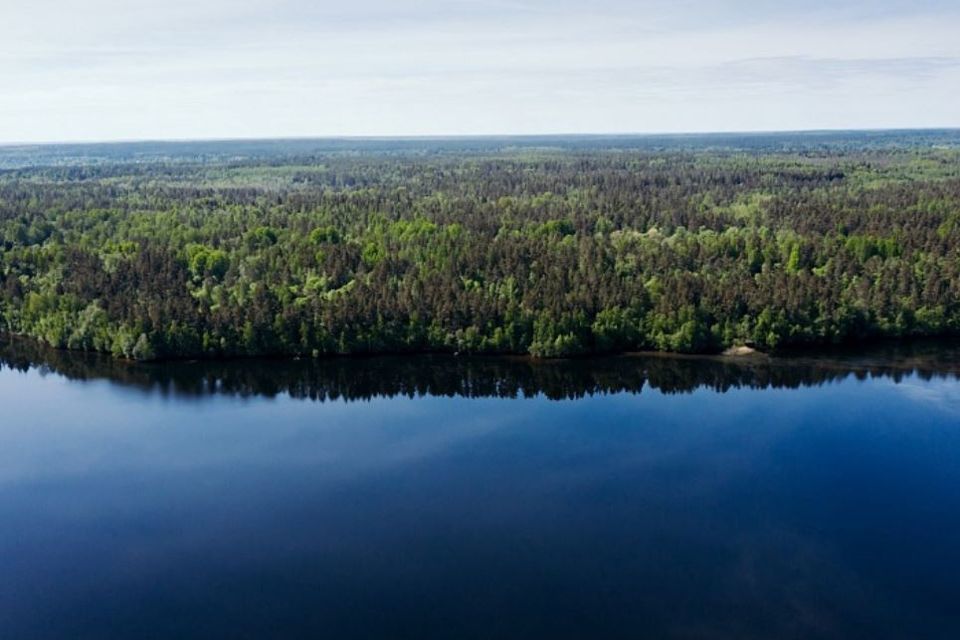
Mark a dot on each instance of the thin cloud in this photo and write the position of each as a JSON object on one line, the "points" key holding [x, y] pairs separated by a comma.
{"points": [[211, 68]]}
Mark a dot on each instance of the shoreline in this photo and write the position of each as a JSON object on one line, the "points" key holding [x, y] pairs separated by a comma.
{"points": [[739, 354]]}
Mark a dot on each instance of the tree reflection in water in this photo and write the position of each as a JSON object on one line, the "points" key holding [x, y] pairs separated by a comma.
{"points": [[477, 377]]}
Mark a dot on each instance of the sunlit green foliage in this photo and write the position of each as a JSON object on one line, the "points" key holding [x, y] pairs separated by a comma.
{"points": [[546, 252]]}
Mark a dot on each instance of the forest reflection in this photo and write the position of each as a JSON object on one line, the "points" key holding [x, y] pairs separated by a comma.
{"points": [[353, 379]]}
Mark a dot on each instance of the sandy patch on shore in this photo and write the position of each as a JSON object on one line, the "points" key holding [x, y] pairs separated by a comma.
{"points": [[741, 350]]}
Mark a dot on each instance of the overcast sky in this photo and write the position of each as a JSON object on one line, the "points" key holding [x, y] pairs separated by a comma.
{"points": [[130, 69]]}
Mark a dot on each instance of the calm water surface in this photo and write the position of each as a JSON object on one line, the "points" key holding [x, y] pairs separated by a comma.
{"points": [[453, 498]]}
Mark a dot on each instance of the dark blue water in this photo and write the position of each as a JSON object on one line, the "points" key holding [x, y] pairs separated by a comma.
{"points": [[441, 498]]}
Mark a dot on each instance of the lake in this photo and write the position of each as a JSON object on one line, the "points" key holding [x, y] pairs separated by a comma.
{"points": [[814, 496]]}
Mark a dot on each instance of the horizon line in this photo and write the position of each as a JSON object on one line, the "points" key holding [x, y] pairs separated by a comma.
{"points": [[469, 136]]}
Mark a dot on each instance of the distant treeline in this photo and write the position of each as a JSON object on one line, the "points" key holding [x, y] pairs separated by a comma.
{"points": [[550, 247]]}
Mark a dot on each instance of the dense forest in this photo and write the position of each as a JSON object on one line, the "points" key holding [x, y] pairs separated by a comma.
{"points": [[543, 246]]}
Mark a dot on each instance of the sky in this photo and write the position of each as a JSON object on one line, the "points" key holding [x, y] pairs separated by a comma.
{"points": [[94, 70]]}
